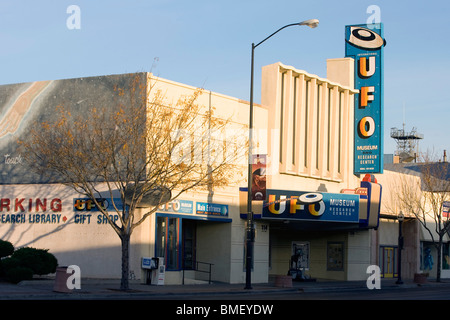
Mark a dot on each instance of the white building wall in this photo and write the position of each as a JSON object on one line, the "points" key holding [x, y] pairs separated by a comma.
{"points": [[311, 149], [80, 238], [327, 137], [359, 254]]}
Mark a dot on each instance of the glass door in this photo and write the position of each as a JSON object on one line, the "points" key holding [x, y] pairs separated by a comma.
{"points": [[388, 262], [168, 241], [189, 244]]}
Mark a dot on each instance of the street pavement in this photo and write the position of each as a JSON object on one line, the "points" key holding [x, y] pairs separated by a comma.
{"points": [[102, 298], [108, 289]]}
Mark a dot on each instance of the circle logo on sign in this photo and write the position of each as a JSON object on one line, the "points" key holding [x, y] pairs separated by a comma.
{"points": [[311, 197], [365, 38]]}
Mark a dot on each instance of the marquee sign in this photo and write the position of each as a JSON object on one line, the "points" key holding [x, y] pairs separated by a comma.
{"points": [[359, 207], [364, 43], [313, 206]]}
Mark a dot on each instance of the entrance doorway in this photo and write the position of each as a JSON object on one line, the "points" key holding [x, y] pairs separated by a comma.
{"points": [[189, 244], [388, 261], [300, 255], [168, 241], [176, 242]]}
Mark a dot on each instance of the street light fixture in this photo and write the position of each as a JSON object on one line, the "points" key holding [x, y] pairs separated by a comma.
{"points": [[400, 219], [312, 23]]}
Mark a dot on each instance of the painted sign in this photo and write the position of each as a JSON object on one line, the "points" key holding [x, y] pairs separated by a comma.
{"points": [[84, 207], [313, 206], [19, 210], [178, 206], [19, 218], [212, 209], [87, 204], [30, 204], [365, 43]]}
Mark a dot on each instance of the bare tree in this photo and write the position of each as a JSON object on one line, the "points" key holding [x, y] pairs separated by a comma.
{"points": [[146, 149], [421, 191]]}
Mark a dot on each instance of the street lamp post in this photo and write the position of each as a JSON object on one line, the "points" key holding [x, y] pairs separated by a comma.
{"points": [[312, 23], [400, 219]]}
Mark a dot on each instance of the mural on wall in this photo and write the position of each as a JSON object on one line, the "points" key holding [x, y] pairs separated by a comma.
{"points": [[27, 104], [20, 106]]}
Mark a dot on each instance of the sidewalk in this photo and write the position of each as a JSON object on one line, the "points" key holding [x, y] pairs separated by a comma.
{"points": [[104, 289]]}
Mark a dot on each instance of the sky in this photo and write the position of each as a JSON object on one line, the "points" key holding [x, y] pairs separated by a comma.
{"points": [[207, 43]]}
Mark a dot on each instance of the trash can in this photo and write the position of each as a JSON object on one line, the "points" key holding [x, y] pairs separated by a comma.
{"points": [[420, 278], [61, 280], [283, 281]]}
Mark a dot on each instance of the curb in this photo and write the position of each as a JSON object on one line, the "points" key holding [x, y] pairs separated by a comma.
{"points": [[99, 289]]}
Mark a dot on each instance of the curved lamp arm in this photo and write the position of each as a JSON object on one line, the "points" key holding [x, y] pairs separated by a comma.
{"points": [[312, 23]]}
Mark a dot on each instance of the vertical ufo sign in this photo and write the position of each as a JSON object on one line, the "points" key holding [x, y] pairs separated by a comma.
{"points": [[365, 43]]}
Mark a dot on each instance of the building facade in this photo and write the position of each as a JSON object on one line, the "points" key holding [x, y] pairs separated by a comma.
{"points": [[304, 129], [316, 217], [311, 147], [419, 231]]}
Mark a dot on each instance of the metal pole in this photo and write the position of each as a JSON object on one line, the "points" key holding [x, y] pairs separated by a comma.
{"points": [[250, 223], [250, 229], [400, 247]]}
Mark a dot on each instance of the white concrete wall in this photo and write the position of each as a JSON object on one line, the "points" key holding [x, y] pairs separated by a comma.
{"points": [[93, 246]]}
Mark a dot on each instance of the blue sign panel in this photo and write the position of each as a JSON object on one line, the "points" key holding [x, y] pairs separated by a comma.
{"points": [[313, 206], [212, 209], [365, 43], [178, 206]]}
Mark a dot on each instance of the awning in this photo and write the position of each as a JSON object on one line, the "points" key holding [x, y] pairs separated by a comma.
{"points": [[426, 236], [195, 210]]}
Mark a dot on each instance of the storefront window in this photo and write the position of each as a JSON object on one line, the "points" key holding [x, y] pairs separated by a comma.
{"points": [[335, 256], [426, 256], [421, 255], [172, 244], [300, 255], [189, 244], [445, 256], [167, 243], [161, 237]]}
